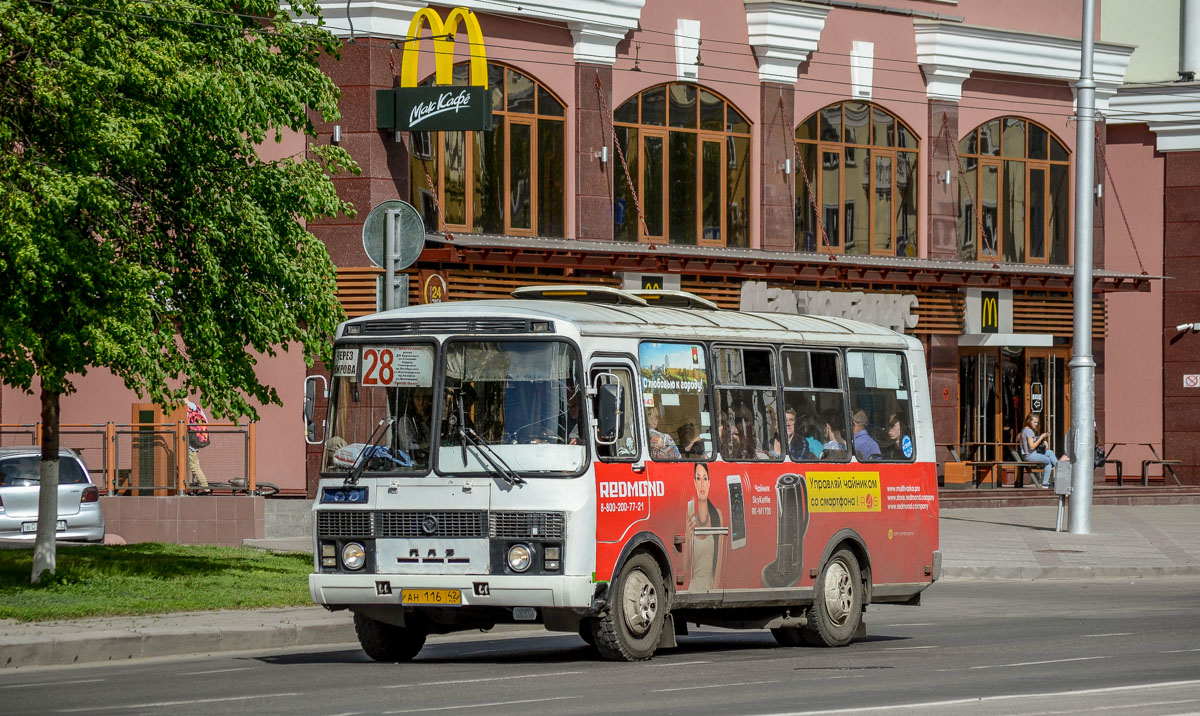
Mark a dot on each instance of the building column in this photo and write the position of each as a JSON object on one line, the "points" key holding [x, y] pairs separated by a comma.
{"points": [[777, 167], [593, 131], [1181, 304], [942, 354], [1100, 178], [383, 160], [943, 197]]}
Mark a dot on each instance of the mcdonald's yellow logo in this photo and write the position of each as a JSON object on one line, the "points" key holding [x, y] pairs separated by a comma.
{"points": [[443, 47], [989, 315]]}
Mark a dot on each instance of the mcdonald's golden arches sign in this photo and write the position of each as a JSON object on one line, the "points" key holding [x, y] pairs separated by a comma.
{"points": [[441, 106], [989, 311]]}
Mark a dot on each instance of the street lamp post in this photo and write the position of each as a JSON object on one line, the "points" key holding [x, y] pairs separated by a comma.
{"points": [[1082, 365]]}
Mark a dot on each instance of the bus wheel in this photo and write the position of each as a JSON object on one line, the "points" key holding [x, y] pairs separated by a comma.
{"points": [[632, 624], [387, 642], [837, 602], [788, 636]]}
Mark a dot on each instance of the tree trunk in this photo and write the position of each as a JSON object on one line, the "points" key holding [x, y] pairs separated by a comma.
{"points": [[44, 549]]}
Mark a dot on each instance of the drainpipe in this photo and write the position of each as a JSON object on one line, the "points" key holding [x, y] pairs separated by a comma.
{"points": [[1189, 39]]}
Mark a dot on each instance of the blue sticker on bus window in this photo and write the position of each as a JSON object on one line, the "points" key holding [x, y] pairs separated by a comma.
{"points": [[906, 446]]}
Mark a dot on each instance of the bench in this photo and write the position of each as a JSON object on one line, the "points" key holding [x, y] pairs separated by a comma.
{"points": [[1017, 464], [1169, 464]]}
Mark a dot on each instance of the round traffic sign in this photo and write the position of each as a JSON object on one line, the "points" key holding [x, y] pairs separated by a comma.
{"points": [[410, 234]]}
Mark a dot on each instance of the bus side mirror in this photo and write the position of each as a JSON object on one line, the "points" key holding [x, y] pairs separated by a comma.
{"points": [[610, 420], [310, 402]]}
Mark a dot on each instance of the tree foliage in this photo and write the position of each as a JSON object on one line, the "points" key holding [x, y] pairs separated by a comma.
{"points": [[139, 229]]}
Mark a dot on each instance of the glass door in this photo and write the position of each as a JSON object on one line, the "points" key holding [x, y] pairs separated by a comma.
{"points": [[1047, 392], [977, 410]]}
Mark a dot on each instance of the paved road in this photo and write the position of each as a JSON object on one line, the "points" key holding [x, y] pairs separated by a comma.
{"points": [[992, 647]]}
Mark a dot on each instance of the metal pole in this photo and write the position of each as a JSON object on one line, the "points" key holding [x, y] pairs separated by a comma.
{"points": [[1083, 367], [389, 263]]}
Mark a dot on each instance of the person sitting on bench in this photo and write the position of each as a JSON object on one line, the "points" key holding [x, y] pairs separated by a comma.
{"points": [[1033, 447]]}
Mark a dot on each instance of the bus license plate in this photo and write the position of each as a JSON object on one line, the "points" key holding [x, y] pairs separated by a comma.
{"points": [[440, 597]]}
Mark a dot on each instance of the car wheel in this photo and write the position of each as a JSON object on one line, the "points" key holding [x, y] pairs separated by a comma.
{"points": [[837, 602], [631, 625], [387, 642]]}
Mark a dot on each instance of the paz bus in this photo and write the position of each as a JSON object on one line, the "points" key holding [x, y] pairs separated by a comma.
{"points": [[620, 465]]}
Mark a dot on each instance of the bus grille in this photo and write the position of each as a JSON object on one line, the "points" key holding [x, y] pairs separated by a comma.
{"points": [[519, 525], [344, 523], [431, 523], [423, 326]]}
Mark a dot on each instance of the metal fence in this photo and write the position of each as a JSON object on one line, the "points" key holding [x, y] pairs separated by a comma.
{"points": [[148, 458]]}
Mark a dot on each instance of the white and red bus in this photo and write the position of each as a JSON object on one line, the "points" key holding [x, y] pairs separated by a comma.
{"points": [[621, 465]]}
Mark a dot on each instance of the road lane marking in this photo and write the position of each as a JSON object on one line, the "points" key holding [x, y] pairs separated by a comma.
{"points": [[1094, 709], [476, 681], [906, 648], [52, 683], [1119, 633], [1038, 663], [187, 702], [681, 663], [914, 624], [217, 671], [714, 686], [1178, 651], [483, 705], [976, 700]]}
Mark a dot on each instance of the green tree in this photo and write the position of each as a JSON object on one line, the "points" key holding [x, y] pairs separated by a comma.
{"points": [[140, 232]]}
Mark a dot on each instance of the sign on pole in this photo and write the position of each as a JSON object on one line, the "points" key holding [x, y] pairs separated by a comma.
{"points": [[393, 237]]}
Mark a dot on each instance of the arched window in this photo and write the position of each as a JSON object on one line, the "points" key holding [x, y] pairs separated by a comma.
{"points": [[509, 180], [1018, 173], [861, 161], [688, 152]]}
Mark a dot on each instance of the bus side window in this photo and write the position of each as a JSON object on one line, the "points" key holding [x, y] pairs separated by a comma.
{"points": [[625, 447], [674, 394], [880, 399], [815, 407], [747, 414]]}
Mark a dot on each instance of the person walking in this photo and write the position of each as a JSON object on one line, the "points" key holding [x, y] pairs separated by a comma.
{"points": [[197, 437], [1033, 447]]}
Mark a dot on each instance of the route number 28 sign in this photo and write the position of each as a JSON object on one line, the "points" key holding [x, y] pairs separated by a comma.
{"points": [[397, 366]]}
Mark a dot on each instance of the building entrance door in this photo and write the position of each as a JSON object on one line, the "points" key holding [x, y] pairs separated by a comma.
{"points": [[1000, 386], [1047, 389]]}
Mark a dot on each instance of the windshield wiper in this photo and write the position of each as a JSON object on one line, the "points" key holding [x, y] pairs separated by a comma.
{"points": [[486, 455], [368, 451]]}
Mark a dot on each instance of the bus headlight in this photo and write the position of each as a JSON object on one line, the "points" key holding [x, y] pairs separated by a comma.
{"points": [[354, 556], [519, 557]]}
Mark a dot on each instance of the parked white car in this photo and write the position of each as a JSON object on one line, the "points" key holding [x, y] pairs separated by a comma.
{"points": [[79, 514]]}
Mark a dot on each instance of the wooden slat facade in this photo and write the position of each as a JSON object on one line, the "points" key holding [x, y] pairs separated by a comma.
{"points": [[938, 313], [1055, 315]]}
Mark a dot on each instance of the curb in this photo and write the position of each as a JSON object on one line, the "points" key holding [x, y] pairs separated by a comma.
{"points": [[146, 642], [1084, 573]]}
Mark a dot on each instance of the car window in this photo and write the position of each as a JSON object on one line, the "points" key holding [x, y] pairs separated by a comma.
{"points": [[23, 470]]}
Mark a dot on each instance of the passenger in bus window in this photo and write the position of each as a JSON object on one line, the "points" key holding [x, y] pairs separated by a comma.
{"points": [[690, 444], [834, 447], [662, 446], [865, 447], [704, 550], [899, 445]]}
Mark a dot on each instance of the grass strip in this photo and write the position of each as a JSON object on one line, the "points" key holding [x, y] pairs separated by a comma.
{"points": [[151, 578]]}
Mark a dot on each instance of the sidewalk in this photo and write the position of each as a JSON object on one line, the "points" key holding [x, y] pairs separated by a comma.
{"points": [[976, 543]]}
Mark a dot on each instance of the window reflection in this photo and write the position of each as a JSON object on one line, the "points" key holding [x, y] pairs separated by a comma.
{"points": [[1025, 197], [866, 184], [506, 180], [688, 153]]}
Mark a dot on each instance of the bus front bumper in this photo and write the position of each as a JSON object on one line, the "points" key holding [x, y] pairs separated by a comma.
{"points": [[476, 590]]}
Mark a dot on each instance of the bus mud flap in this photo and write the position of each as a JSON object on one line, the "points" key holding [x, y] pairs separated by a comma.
{"points": [[667, 639], [791, 503]]}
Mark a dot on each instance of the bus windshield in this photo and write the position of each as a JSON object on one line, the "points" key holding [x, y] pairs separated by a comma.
{"points": [[382, 417], [520, 402]]}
